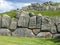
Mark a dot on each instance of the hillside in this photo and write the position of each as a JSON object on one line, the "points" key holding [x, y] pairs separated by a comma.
{"points": [[44, 13], [10, 13], [43, 7]]}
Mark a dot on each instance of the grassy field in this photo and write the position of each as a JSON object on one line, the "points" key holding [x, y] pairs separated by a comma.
{"points": [[4, 40], [44, 13]]}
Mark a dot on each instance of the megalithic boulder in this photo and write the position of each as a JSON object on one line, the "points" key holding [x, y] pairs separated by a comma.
{"points": [[32, 22], [23, 20], [6, 21]]}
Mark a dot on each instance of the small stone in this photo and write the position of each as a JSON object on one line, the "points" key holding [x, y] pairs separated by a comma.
{"points": [[44, 35], [36, 31]]}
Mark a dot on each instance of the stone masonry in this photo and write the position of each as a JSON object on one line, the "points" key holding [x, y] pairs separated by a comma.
{"points": [[29, 25]]}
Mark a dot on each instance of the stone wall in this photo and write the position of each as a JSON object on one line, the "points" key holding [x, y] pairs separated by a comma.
{"points": [[26, 24]]}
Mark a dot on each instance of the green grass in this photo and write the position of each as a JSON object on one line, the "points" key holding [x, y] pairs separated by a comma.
{"points": [[11, 13], [5, 40], [47, 13], [44, 13]]}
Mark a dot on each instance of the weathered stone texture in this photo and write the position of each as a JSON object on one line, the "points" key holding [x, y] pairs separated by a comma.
{"points": [[6, 21], [13, 24], [56, 36], [46, 24], [32, 22], [0, 21], [5, 32], [44, 35], [23, 32], [23, 20], [36, 31], [39, 21]]}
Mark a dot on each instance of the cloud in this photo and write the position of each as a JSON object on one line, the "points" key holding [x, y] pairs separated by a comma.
{"points": [[7, 6], [29, 1]]}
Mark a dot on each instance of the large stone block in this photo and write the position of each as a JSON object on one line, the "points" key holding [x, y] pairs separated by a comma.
{"points": [[13, 24], [56, 36], [55, 20], [36, 31], [38, 21], [32, 23], [46, 24], [58, 27], [46, 20], [53, 28], [23, 32], [46, 27], [5, 32], [23, 21], [0, 21], [6, 21], [44, 35]]}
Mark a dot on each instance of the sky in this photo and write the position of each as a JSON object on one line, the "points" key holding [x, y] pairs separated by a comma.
{"points": [[7, 5]]}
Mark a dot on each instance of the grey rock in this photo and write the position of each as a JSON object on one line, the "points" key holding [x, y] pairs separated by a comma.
{"points": [[18, 13], [46, 20], [55, 20], [58, 27], [0, 21], [6, 21], [46, 24], [53, 28], [13, 24], [23, 21], [32, 23], [23, 32], [36, 31], [38, 21], [56, 36], [46, 27], [44, 35], [5, 32], [24, 13]]}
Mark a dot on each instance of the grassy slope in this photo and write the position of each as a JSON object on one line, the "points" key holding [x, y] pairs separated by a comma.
{"points": [[44, 13], [47, 13], [11, 13], [25, 41]]}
